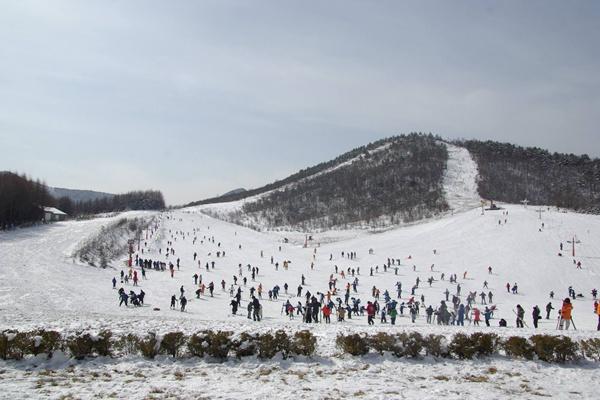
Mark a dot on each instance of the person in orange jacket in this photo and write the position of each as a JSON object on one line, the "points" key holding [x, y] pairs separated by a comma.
{"points": [[598, 312], [565, 314]]}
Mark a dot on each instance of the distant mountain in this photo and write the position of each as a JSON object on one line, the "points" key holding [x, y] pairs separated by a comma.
{"points": [[78, 195], [235, 191]]}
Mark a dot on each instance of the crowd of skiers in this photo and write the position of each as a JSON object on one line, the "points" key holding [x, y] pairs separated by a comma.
{"points": [[341, 303]]}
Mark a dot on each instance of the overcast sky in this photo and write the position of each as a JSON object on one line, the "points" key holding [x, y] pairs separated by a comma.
{"points": [[199, 97]]}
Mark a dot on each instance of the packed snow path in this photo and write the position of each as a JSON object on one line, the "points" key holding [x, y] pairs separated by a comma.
{"points": [[41, 286], [460, 179]]}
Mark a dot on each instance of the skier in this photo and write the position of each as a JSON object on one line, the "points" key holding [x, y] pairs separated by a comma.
{"points": [[461, 315], [173, 302], [123, 297], [536, 316], [565, 314], [234, 307], [487, 314], [476, 316], [114, 282], [370, 313], [520, 315], [256, 307], [548, 309], [183, 302]]}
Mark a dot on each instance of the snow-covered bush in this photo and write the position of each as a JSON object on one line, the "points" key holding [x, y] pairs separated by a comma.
{"points": [[304, 343], [14, 345], [128, 344], [269, 345], [215, 344], [436, 346], [172, 342], [81, 345], [354, 344], [411, 344], [103, 343], [149, 345], [245, 345], [518, 347], [591, 348]]}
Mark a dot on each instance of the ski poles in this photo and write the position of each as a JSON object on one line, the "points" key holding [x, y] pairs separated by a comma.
{"points": [[521, 319]]}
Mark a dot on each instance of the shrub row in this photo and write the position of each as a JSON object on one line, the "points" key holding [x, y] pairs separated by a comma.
{"points": [[216, 344], [548, 348], [223, 344]]}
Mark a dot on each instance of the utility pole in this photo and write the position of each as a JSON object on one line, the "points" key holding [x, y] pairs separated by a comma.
{"points": [[540, 211], [573, 243]]}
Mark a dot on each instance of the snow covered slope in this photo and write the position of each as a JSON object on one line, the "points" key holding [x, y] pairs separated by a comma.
{"points": [[460, 179], [40, 284]]}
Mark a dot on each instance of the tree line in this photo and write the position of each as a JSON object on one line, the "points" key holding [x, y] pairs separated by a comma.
{"points": [[511, 173], [22, 200]]}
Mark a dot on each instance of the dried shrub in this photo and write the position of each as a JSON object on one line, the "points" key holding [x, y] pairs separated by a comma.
{"points": [[149, 345], [411, 344], [436, 346], [46, 342], [127, 344], [171, 343], [591, 348], [478, 344], [269, 345], [304, 343], [555, 348], [518, 347], [354, 344], [81, 345], [486, 344], [103, 344], [383, 342]]}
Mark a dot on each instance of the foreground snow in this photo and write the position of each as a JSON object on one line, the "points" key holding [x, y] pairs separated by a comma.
{"points": [[368, 378]]}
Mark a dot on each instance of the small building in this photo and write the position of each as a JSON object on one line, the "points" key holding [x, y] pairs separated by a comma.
{"points": [[52, 214]]}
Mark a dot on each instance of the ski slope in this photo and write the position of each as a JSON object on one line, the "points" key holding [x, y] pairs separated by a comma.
{"points": [[460, 179], [40, 284]]}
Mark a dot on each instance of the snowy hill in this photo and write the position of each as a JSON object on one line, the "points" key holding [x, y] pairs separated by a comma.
{"points": [[397, 181], [41, 284]]}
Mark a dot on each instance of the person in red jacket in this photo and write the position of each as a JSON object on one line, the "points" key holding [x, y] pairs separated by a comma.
{"points": [[326, 313], [370, 313]]}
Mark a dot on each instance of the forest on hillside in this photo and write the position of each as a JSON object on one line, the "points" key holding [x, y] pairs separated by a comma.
{"points": [[512, 173], [399, 180], [302, 174], [22, 200]]}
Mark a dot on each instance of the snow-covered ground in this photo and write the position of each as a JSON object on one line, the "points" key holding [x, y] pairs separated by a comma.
{"points": [[348, 378], [40, 283], [41, 286]]}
